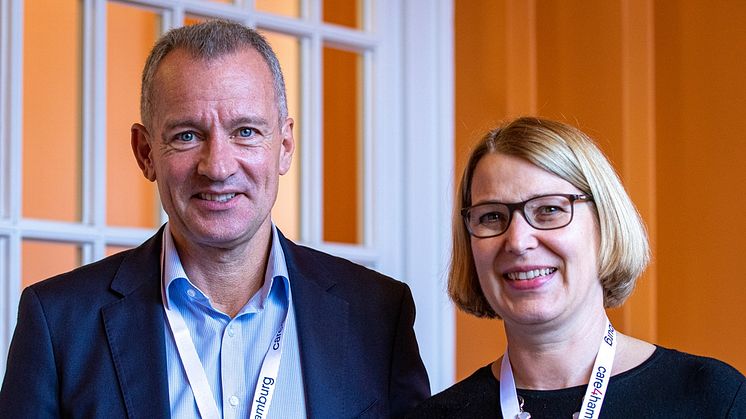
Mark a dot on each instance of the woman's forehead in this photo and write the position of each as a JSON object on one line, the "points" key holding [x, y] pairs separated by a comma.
{"points": [[505, 178]]}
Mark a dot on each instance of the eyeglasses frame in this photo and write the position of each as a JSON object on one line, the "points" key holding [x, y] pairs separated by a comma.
{"points": [[521, 206]]}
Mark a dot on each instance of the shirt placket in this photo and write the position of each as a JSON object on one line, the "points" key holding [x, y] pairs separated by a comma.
{"points": [[232, 374]]}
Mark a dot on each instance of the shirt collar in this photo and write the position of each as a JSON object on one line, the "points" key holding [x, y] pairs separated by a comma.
{"points": [[276, 267]]}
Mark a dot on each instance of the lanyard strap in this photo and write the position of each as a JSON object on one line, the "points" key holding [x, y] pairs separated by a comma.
{"points": [[594, 394], [195, 371], [268, 376]]}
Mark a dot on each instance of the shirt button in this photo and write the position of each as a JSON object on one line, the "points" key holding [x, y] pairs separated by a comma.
{"points": [[233, 400], [191, 293], [231, 332]]}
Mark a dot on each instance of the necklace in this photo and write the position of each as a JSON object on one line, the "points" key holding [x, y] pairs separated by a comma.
{"points": [[511, 404]]}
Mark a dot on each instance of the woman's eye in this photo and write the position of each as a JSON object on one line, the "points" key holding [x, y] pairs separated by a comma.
{"points": [[490, 217], [246, 132], [186, 136]]}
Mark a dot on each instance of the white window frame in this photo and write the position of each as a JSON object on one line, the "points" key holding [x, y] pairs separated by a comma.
{"points": [[407, 127]]}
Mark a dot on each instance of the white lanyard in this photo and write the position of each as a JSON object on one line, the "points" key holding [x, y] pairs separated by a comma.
{"points": [[195, 371], [594, 394]]}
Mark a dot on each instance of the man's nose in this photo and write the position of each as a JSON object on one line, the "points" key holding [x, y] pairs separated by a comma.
{"points": [[217, 160]]}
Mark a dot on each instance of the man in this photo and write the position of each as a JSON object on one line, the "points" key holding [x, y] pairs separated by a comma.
{"points": [[217, 315]]}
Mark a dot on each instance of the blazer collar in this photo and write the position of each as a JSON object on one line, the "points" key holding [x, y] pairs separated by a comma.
{"points": [[135, 331]]}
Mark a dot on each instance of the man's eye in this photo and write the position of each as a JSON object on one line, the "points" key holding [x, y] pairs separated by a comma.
{"points": [[186, 136], [246, 132]]}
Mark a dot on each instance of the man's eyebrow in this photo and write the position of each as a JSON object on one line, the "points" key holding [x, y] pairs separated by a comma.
{"points": [[230, 123], [182, 123], [248, 120]]}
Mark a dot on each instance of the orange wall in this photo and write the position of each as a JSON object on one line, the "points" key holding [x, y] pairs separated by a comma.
{"points": [[701, 62], [660, 85]]}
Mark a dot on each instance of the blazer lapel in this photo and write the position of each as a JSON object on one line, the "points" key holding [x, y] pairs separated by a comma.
{"points": [[135, 331], [322, 323]]}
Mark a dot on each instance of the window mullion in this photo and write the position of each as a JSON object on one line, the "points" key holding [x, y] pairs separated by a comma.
{"points": [[369, 136], [312, 187], [94, 127], [11, 118]]}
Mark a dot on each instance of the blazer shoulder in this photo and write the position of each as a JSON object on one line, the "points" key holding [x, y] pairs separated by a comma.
{"points": [[86, 277], [98, 276]]}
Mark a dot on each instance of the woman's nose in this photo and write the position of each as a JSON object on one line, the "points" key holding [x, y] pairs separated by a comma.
{"points": [[520, 236]]}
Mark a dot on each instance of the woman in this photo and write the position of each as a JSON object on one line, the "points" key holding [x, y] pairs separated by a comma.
{"points": [[545, 237]]}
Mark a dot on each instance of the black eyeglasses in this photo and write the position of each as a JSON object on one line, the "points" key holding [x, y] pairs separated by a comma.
{"points": [[545, 212]]}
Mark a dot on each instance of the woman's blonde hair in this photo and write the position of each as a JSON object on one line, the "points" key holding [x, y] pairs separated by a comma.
{"points": [[566, 152]]}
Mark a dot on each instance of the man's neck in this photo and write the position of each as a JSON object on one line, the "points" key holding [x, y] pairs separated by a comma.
{"points": [[229, 277]]}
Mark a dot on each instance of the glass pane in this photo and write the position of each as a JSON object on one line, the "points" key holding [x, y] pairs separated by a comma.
{"points": [[281, 7], [41, 260], [193, 19], [343, 165], [110, 250], [286, 213], [343, 12], [52, 74], [131, 32]]}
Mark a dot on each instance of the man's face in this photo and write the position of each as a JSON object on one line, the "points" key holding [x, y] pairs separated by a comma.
{"points": [[215, 146]]}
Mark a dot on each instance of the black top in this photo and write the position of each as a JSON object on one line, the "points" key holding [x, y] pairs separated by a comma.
{"points": [[670, 384]]}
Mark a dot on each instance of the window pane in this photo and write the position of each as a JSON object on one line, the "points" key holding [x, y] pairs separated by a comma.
{"points": [[40, 260], [52, 67], [193, 20], [343, 12], [110, 250], [281, 7], [131, 32], [286, 213], [343, 166]]}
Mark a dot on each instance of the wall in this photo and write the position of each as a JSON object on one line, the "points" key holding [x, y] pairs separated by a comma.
{"points": [[701, 56], [658, 84]]}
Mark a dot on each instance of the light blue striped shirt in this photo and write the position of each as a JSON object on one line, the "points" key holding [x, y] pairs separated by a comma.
{"points": [[232, 350]]}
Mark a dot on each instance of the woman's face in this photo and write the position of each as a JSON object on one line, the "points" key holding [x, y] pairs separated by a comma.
{"points": [[558, 267]]}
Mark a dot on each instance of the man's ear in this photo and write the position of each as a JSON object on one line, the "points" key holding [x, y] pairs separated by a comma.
{"points": [[287, 147], [142, 149]]}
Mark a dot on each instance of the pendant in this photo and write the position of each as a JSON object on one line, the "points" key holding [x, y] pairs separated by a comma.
{"points": [[576, 415], [522, 414]]}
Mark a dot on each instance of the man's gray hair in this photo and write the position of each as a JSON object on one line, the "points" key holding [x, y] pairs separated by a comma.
{"points": [[209, 40]]}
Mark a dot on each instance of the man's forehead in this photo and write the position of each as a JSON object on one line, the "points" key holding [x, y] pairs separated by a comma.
{"points": [[180, 69]]}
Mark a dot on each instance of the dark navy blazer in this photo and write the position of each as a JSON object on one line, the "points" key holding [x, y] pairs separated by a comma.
{"points": [[90, 343]]}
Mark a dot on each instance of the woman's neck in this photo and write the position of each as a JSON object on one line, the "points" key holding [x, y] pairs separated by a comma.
{"points": [[549, 358]]}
